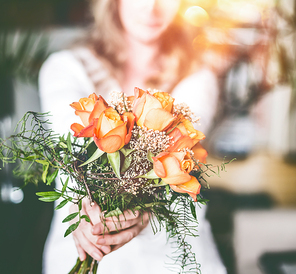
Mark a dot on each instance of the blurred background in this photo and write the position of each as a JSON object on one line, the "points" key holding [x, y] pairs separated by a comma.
{"points": [[250, 45]]}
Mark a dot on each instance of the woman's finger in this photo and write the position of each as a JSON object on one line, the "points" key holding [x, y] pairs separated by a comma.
{"points": [[124, 236], [82, 243], [117, 223], [92, 210]]}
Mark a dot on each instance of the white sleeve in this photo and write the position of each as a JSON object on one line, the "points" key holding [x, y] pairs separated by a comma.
{"points": [[62, 80], [200, 92]]}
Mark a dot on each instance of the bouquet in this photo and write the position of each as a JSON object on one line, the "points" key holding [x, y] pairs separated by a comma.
{"points": [[138, 153]]}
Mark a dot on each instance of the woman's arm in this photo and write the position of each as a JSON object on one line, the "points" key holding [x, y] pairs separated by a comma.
{"points": [[62, 81]]}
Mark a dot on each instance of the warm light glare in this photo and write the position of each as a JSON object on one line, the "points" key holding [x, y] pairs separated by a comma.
{"points": [[196, 16], [244, 10], [205, 4]]}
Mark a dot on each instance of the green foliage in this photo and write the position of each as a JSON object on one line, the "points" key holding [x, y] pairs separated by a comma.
{"points": [[114, 160], [21, 54], [109, 179]]}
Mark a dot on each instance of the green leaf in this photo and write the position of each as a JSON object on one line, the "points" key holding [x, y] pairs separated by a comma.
{"points": [[42, 162], [149, 175], [71, 228], [62, 145], [157, 183], [149, 156], [201, 200], [52, 176], [115, 212], [48, 199], [61, 204], [65, 185], [48, 194], [167, 188], [69, 144], [114, 160], [70, 217], [80, 205], [77, 191], [31, 158], [193, 211], [97, 154], [86, 218], [45, 171], [126, 151], [104, 159], [126, 163]]}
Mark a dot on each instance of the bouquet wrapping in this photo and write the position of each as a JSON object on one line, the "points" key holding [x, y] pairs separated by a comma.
{"points": [[137, 153]]}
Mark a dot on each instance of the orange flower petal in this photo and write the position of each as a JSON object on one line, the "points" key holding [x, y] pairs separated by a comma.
{"points": [[165, 99], [76, 128], [109, 144], [138, 92], [183, 142], [175, 175], [87, 131], [84, 116], [143, 106], [109, 120], [120, 131], [192, 187], [158, 119], [76, 106], [99, 107], [158, 166], [130, 119], [200, 153]]}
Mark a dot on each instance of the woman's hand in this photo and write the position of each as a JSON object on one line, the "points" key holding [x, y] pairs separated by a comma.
{"points": [[120, 229], [88, 236], [84, 240]]}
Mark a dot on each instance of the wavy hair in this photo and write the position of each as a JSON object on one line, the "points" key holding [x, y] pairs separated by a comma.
{"points": [[177, 56]]}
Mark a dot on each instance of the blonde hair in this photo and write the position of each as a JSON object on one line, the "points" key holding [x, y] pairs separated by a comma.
{"points": [[176, 52]]}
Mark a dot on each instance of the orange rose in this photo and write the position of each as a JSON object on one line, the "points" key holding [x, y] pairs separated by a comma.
{"points": [[153, 112], [112, 131], [87, 109], [184, 135], [200, 153], [174, 169], [165, 99]]}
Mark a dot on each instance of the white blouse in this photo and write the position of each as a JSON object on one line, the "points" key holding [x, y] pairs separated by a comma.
{"points": [[66, 77]]}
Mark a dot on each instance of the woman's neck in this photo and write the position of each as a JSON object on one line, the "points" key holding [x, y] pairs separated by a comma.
{"points": [[141, 63]]}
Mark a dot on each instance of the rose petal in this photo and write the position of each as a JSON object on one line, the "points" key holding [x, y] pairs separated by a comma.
{"points": [[158, 119], [84, 116], [99, 107], [130, 119], [175, 175], [76, 106], [143, 106], [109, 144], [200, 153], [109, 119], [183, 142], [87, 131], [191, 187], [138, 92], [76, 128]]}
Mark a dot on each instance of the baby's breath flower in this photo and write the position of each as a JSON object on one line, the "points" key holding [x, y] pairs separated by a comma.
{"points": [[186, 112], [120, 102]]}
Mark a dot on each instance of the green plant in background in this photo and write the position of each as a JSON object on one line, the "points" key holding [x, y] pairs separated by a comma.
{"points": [[21, 55]]}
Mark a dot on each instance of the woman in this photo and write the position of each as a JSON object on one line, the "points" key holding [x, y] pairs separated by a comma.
{"points": [[133, 43]]}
